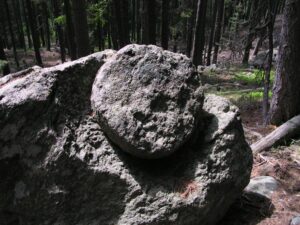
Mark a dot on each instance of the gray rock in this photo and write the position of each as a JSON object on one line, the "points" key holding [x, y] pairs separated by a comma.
{"points": [[295, 220], [263, 185], [58, 167], [37, 98], [148, 100]]}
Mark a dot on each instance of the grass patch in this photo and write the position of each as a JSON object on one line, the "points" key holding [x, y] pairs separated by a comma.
{"points": [[253, 78], [3, 63], [245, 98]]}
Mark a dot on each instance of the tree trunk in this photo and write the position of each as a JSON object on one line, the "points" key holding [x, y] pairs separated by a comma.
{"points": [[109, 37], [41, 25], [253, 21], [138, 21], [121, 18], [212, 32], [190, 29], [125, 21], [70, 30], [81, 27], [165, 24], [118, 19], [149, 24], [258, 45], [3, 26], [5, 68], [286, 95], [133, 21], [269, 64], [26, 24], [13, 41], [99, 36], [199, 36], [286, 131], [17, 14], [35, 39], [114, 27], [59, 31], [46, 24], [218, 30]]}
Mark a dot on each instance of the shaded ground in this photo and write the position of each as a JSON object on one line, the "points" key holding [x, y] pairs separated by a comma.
{"points": [[282, 163], [27, 59]]}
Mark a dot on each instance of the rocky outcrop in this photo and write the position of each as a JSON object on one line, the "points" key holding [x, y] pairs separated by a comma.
{"points": [[58, 166], [148, 100]]}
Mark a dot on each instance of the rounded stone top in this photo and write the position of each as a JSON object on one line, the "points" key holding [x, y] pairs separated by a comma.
{"points": [[147, 100]]}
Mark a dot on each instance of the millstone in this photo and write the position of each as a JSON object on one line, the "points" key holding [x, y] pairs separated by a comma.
{"points": [[148, 101]]}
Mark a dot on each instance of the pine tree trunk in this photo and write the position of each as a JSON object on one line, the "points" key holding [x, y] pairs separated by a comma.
{"points": [[81, 27], [125, 21], [286, 95], [41, 25], [35, 39], [113, 28], [165, 24], [133, 21], [46, 24], [199, 38], [17, 15], [100, 36], [109, 37], [12, 35], [26, 24], [59, 31], [121, 17], [269, 65], [138, 21], [251, 35], [212, 32], [5, 69], [70, 30], [151, 5], [3, 26], [218, 30], [149, 22]]}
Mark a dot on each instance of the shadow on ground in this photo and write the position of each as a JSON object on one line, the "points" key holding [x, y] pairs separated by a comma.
{"points": [[249, 209]]}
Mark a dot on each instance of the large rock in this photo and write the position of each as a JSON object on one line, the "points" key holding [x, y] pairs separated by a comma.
{"points": [[58, 167], [263, 185], [148, 100]]}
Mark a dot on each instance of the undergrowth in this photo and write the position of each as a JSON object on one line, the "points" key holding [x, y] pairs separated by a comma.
{"points": [[253, 78], [245, 99]]}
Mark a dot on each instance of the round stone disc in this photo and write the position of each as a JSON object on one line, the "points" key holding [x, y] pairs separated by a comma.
{"points": [[147, 100]]}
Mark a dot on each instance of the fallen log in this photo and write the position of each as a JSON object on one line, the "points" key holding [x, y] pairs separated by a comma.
{"points": [[286, 131]]}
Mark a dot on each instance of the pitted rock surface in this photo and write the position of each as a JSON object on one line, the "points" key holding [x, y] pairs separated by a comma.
{"points": [[57, 165], [148, 101]]}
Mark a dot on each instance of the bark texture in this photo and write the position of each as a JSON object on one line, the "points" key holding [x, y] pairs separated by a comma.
{"points": [[286, 91], [81, 27]]}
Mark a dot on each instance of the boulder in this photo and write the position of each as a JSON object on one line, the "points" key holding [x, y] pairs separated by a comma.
{"points": [[148, 100], [262, 185], [295, 220], [58, 165]]}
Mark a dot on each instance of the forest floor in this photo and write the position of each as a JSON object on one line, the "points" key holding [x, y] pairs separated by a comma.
{"points": [[243, 86]]}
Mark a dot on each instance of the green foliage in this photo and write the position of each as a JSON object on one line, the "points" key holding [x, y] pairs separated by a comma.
{"points": [[60, 20], [2, 64], [96, 12], [186, 13], [255, 78], [245, 99]]}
